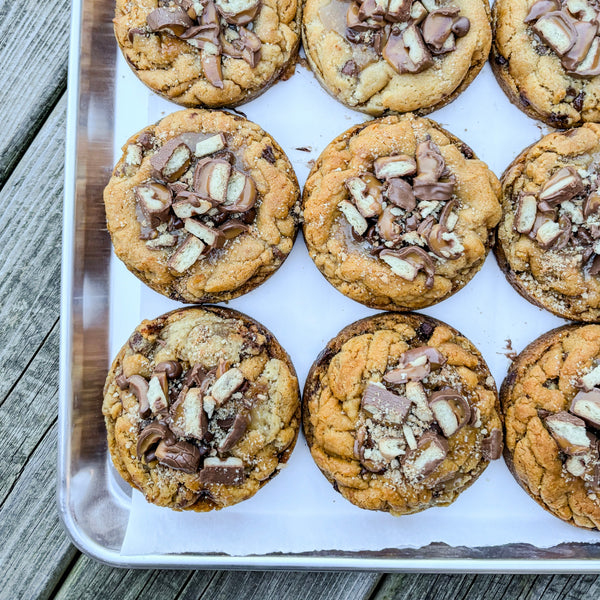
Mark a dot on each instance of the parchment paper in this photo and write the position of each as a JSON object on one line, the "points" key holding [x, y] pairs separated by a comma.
{"points": [[298, 510]]}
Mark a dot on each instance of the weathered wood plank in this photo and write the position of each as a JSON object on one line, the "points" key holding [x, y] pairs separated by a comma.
{"points": [[34, 43], [31, 202], [91, 580], [272, 585], [35, 551]]}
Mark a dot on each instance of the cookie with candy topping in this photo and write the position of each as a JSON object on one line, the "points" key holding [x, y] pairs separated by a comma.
{"points": [[399, 213], [382, 56], [401, 413], [551, 404], [203, 206], [548, 241], [546, 58], [208, 53], [202, 408]]}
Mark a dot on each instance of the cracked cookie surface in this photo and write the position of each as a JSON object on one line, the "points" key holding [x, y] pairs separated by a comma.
{"points": [[203, 206], [378, 56], [205, 53], [545, 56], [401, 413], [202, 408], [548, 241], [398, 213], [551, 406]]}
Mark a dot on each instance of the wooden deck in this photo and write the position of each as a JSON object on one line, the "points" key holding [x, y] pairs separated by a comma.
{"points": [[36, 557]]}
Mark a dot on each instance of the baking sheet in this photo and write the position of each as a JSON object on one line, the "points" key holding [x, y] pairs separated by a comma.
{"points": [[297, 512]]}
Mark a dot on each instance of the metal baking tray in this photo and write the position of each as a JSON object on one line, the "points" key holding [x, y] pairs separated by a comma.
{"points": [[94, 505]]}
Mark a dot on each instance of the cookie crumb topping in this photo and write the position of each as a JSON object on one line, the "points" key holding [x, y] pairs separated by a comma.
{"points": [[406, 211], [407, 34]]}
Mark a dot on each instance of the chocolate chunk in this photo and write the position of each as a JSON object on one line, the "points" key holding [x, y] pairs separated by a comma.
{"points": [[541, 8], [236, 432], [350, 68], [563, 185], [186, 255], [151, 436], [587, 406], [181, 455], [138, 343], [225, 472], [139, 387], [526, 213], [444, 243], [385, 406], [595, 266], [431, 452], [491, 446], [415, 364], [583, 42], [195, 376], [387, 167], [432, 191], [400, 193], [461, 26], [211, 179], [238, 12], [173, 20], [171, 368], [241, 194], [406, 52], [136, 31], [172, 160], [451, 410], [211, 65], [557, 30], [569, 433], [425, 331], [268, 154], [437, 28], [122, 382], [407, 262]]}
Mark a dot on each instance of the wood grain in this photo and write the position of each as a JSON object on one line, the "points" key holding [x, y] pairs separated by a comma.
{"points": [[34, 45]]}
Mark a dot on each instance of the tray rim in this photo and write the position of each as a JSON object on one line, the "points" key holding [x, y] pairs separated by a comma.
{"points": [[207, 561]]}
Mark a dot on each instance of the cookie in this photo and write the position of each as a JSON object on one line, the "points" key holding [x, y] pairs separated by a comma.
{"points": [[208, 53], [203, 206], [401, 413], [202, 408], [546, 58], [382, 56], [551, 404], [549, 238], [399, 213]]}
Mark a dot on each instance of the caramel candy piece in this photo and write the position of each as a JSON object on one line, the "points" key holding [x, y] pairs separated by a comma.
{"points": [[587, 406], [172, 160], [226, 472], [491, 446], [563, 185], [526, 213], [450, 409], [186, 255], [569, 433], [590, 66], [232, 228], [389, 230], [192, 207], [182, 456], [415, 364], [407, 262], [406, 52], [383, 405], [394, 166], [241, 193], [557, 30], [211, 179], [173, 20], [431, 452]]}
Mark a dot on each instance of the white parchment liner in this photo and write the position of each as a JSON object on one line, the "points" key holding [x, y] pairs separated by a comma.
{"points": [[299, 510]]}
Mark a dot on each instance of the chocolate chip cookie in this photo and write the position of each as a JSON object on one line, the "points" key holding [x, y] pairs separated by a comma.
{"points": [[546, 58], [401, 413], [203, 206], [202, 408], [549, 237], [551, 404], [381, 56], [398, 213], [208, 53]]}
